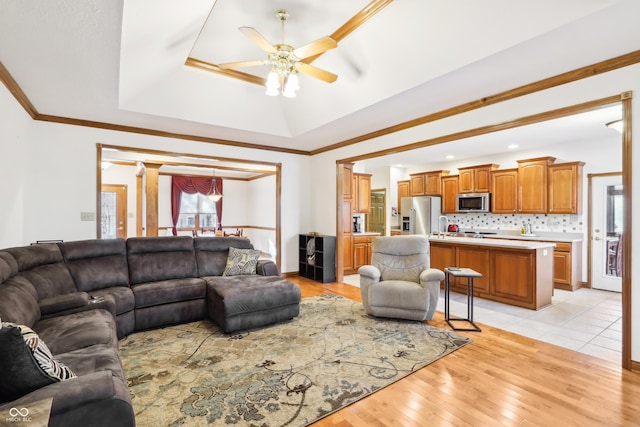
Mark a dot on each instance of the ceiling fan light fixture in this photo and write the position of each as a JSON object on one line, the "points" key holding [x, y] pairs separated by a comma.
{"points": [[291, 86], [273, 84], [285, 61]]}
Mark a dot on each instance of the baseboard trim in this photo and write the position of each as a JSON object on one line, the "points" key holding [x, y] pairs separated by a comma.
{"points": [[635, 366], [290, 274]]}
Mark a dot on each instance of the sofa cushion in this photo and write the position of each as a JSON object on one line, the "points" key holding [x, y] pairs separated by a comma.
{"points": [[123, 297], [241, 262], [96, 264], [8, 266], [18, 304], [153, 259], [63, 302], [168, 291], [212, 253], [78, 330], [26, 362], [44, 267]]}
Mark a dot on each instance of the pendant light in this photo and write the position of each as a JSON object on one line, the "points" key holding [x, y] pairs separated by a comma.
{"points": [[215, 194]]}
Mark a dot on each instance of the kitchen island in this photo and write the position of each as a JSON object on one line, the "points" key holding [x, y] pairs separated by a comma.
{"points": [[516, 272]]}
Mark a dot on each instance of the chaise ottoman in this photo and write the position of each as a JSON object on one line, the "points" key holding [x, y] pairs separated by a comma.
{"points": [[248, 301]]}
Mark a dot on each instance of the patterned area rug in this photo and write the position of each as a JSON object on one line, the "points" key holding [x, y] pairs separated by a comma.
{"points": [[290, 374]]}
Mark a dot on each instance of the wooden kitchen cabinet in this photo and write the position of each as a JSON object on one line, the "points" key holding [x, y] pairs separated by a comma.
{"points": [[532, 184], [347, 238], [403, 191], [521, 277], [361, 193], [475, 258], [475, 179], [513, 275], [362, 250], [441, 256], [567, 266], [504, 191], [449, 194], [433, 182], [348, 180], [417, 184], [426, 183], [565, 188]]}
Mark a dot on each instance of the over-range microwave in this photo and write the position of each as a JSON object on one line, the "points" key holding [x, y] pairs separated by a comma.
{"points": [[473, 202]]}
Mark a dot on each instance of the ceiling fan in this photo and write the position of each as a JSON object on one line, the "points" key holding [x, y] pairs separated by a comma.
{"points": [[286, 61]]}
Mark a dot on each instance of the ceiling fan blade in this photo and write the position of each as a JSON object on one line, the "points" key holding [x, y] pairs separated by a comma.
{"points": [[240, 64], [257, 38], [315, 47], [316, 72]]}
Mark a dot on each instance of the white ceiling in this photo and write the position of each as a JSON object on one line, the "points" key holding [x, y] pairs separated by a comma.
{"points": [[123, 62]]}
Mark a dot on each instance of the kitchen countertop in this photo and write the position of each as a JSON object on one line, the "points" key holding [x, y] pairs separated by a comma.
{"points": [[492, 242], [547, 236], [365, 233]]}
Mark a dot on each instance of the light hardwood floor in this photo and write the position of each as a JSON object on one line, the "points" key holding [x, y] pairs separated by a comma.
{"points": [[501, 379]]}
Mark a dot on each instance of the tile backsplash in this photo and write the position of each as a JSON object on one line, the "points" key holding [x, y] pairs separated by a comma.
{"points": [[539, 222]]}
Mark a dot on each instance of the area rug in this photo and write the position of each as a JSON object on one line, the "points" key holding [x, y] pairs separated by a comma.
{"points": [[290, 374]]}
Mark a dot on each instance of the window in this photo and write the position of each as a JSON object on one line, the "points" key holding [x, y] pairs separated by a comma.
{"points": [[197, 212]]}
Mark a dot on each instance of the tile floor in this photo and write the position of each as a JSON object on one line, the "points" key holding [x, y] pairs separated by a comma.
{"points": [[587, 320]]}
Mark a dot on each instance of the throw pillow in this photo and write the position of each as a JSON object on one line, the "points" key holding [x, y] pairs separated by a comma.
{"points": [[26, 363], [241, 261]]}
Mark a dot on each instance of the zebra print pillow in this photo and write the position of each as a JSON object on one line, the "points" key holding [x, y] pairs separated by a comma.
{"points": [[26, 362], [241, 261]]}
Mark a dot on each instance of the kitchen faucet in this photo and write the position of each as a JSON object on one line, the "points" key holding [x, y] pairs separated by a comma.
{"points": [[446, 225]]}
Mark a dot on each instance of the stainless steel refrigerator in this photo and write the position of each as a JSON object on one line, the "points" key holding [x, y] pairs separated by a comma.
{"points": [[420, 214]]}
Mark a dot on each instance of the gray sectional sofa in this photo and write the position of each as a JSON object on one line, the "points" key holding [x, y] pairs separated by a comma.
{"points": [[81, 297]]}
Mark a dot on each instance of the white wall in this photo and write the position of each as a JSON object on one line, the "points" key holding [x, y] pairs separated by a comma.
{"points": [[124, 175], [596, 87], [14, 134], [61, 172]]}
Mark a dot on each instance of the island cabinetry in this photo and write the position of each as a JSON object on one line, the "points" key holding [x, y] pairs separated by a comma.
{"points": [[361, 193], [403, 191], [516, 276], [441, 257], [449, 193], [565, 188], [475, 258], [504, 191], [476, 179], [567, 265], [532, 184], [513, 274]]}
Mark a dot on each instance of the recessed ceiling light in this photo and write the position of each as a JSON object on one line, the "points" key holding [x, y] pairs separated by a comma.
{"points": [[512, 146], [450, 156]]}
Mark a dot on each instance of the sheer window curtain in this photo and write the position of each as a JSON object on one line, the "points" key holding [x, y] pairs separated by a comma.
{"points": [[191, 185]]}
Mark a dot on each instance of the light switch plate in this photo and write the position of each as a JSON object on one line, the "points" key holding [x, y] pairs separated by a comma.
{"points": [[87, 216]]}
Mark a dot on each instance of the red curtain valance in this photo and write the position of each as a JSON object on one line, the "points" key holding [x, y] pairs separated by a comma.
{"points": [[191, 185]]}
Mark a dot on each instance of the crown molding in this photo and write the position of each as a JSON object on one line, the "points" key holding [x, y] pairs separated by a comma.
{"points": [[561, 79]]}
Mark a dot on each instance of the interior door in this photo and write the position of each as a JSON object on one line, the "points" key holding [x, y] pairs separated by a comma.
{"points": [[607, 233], [376, 219], [114, 211]]}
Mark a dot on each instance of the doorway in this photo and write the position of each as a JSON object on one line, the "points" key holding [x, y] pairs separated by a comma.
{"points": [[607, 231], [113, 215], [376, 220]]}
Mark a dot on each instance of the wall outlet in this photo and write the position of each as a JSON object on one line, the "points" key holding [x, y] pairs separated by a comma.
{"points": [[87, 216]]}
